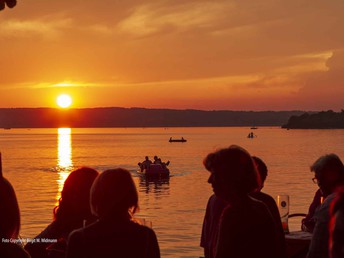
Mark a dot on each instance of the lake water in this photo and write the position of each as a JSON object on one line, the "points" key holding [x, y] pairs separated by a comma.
{"points": [[37, 161]]}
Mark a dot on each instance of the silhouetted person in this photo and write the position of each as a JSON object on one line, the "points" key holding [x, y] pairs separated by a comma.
{"points": [[271, 204], [114, 200], [329, 174], [71, 213], [9, 3], [9, 222], [336, 243], [145, 164], [246, 227], [156, 160]]}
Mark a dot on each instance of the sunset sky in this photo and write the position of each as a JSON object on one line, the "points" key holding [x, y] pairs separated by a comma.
{"points": [[183, 54]]}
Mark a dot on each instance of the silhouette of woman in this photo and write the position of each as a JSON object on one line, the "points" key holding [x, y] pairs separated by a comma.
{"points": [[73, 209], [114, 200]]}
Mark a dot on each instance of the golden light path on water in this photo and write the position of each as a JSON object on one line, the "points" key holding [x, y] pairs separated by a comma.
{"points": [[64, 157]]}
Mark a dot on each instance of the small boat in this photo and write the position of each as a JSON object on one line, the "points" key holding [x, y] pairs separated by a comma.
{"points": [[254, 128], [177, 140], [155, 170]]}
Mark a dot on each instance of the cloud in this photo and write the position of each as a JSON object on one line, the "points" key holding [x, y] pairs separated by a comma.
{"points": [[326, 88], [34, 28], [150, 19]]}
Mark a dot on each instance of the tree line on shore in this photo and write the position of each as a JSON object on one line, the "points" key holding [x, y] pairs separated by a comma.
{"points": [[321, 120], [137, 117]]}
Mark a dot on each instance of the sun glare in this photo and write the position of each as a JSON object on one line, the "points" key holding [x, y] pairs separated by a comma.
{"points": [[64, 101]]}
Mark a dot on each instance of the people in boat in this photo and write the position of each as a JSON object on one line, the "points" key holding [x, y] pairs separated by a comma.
{"points": [[164, 164], [336, 243], [328, 174], [156, 160], [160, 162], [114, 200], [71, 213], [251, 135], [246, 227], [9, 222], [145, 164], [270, 203]]}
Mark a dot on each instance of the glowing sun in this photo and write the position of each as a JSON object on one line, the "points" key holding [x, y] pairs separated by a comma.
{"points": [[64, 100]]}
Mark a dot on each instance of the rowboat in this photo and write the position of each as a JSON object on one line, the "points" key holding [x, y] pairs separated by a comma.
{"points": [[177, 140]]}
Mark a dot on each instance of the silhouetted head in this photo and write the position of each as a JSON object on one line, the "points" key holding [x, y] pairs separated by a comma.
{"points": [[114, 195], [9, 3], [329, 173], [261, 169], [146, 158], [233, 173], [74, 204], [9, 211]]}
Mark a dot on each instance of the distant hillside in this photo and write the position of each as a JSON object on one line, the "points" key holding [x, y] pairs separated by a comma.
{"points": [[136, 117], [322, 120]]}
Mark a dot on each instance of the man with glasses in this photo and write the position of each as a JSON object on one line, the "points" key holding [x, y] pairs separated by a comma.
{"points": [[328, 175]]}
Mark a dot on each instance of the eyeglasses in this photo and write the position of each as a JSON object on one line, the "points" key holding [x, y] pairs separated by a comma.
{"points": [[315, 180]]}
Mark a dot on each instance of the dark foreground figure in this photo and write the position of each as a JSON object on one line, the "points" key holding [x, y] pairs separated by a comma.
{"points": [[9, 3], [114, 200], [70, 214], [9, 221], [271, 204], [328, 174], [246, 227], [337, 225]]}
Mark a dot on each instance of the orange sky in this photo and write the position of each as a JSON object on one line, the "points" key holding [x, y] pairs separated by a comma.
{"points": [[237, 55]]}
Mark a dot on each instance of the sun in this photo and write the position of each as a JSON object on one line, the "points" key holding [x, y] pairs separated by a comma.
{"points": [[64, 100]]}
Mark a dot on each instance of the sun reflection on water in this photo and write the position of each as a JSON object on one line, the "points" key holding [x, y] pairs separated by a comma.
{"points": [[64, 157]]}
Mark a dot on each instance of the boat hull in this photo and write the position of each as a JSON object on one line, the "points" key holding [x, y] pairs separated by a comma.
{"points": [[156, 170], [177, 140]]}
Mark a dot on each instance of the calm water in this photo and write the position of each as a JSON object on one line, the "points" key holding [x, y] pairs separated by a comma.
{"points": [[37, 161]]}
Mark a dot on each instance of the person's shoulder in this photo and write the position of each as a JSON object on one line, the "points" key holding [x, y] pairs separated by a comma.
{"points": [[259, 207], [325, 206], [255, 202], [13, 250], [141, 229], [265, 198], [53, 230], [138, 227], [215, 201]]}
